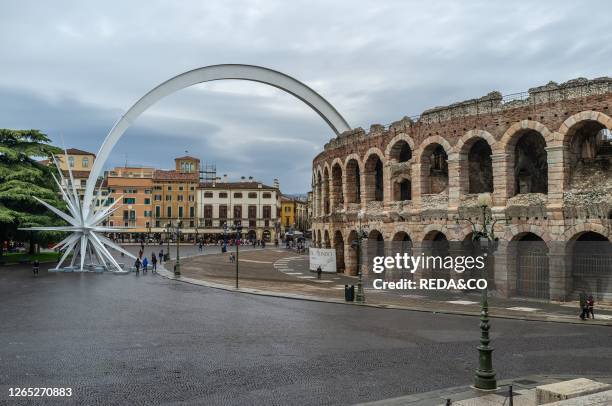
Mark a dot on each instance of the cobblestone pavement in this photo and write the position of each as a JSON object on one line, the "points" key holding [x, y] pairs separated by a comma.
{"points": [[284, 271], [127, 339]]}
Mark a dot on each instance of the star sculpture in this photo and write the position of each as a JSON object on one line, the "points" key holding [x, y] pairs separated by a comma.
{"points": [[83, 219]]}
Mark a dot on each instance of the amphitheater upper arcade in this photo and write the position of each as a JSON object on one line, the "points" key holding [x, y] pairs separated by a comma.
{"points": [[544, 157]]}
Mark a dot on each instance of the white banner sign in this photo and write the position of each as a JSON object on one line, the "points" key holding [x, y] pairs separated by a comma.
{"points": [[323, 257]]}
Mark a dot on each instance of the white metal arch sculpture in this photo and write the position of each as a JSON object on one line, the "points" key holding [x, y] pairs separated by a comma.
{"points": [[84, 217], [206, 74]]}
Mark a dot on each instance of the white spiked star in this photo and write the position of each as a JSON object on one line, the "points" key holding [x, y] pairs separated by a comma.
{"points": [[83, 219]]}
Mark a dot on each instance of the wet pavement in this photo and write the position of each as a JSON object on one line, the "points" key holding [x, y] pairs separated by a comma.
{"points": [[127, 339]]}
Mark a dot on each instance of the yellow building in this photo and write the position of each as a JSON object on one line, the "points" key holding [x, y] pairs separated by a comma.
{"points": [[293, 214], [80, 163]]}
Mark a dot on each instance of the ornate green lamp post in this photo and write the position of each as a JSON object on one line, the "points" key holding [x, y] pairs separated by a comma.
{"points": [[361, 235], [177, 266], [484, 377]]}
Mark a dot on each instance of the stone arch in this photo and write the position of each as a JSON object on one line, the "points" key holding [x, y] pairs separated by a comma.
{"points": [[472, 136], [319, 240], [474, 150], [508, 140], [434, 139], [585, 139], [432, 159], [338, 245], [206, 74], [393, 143], [402, 188], [336, 192], [576, 231], [374, 179], [528, 259], [326, 190], [525, 144], [353, 172], [589, 115], [515, 232]]}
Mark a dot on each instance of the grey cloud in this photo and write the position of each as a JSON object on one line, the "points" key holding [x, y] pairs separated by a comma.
{"points": [[73, 67]]}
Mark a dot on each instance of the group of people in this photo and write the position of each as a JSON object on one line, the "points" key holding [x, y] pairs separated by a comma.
{"points": [[587, 305], [143, 262]]}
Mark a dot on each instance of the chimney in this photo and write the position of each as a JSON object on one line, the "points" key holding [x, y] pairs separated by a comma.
{"points": [[250, 178], [225, 177], [276, 183]]}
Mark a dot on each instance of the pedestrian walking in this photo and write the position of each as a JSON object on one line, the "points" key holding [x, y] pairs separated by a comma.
{"points": [[200, 246], [583, 305], [35, 267], [137, 266], [590, 306], [161, 256], [319, 271], [153, 263], [145, 264]]}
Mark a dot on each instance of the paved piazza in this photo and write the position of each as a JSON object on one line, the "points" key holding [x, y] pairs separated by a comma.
{"points": [[147, 340]]}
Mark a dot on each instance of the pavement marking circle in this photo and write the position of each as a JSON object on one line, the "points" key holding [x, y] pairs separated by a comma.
{"points": [[461, 302], [523, 309]]}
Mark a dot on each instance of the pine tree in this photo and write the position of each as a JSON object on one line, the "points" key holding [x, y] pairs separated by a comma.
{"points": [[22, 178]]}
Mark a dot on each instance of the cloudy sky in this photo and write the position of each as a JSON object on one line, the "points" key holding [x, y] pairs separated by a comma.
{"points": [[71, 68]]}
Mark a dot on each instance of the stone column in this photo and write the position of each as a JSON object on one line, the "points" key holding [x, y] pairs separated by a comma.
{"points": [[556, 175], [559, 270], [504, 270], [344, 190], [387, 187], [350, 259], [503, 178], [417, 188], [456, 178]]}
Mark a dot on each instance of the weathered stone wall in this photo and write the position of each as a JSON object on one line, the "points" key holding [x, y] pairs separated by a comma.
{"points": [[552, 111]]}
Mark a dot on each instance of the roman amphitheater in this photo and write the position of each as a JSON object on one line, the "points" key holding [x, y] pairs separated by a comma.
{"points": [[544, 157]]}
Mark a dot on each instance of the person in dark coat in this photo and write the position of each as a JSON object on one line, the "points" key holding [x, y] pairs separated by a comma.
{"points": [[583, 305], [590, 306]]}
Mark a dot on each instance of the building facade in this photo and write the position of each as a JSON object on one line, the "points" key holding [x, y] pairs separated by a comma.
{"points": [[133, 187], [80, 163], [293, 214], [175, 196], [543, 157], [249, 202]]}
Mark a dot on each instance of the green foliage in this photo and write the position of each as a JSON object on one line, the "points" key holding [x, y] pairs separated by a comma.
{"points": [[21, 179]]}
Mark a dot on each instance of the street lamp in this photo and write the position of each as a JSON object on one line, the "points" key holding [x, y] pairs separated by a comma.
{"points": [[168, 231], [238, 228], [484, 377], [361, 235], [177, 265]]}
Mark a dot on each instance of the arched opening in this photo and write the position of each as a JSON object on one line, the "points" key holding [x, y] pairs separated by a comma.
{"points": [[353, 182], [319, 240], [402, 243], [591, 264], [434, 169], [401, 152], [530, 163], [336, 187], [374, 187], [251, 236], [339, 246], [590, 153], [402, 190], [376, 245], [480, 168], [532, 275], [266, 235], [436, 246], [319, 197], [326, 242], [326, 180]]}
